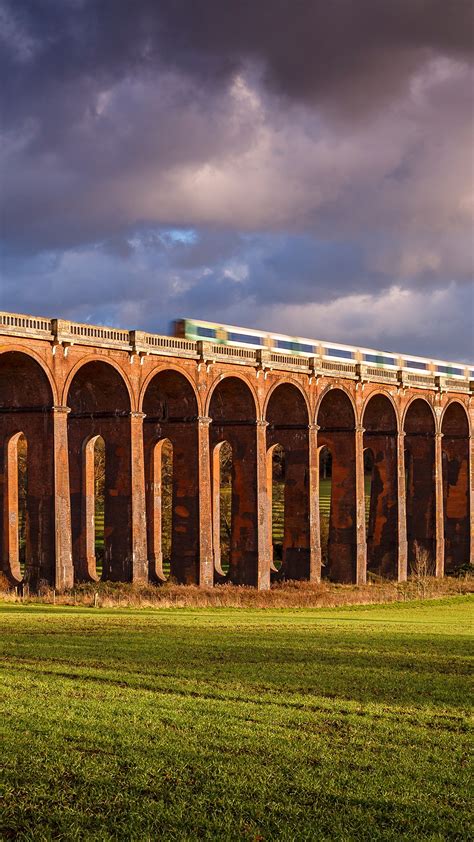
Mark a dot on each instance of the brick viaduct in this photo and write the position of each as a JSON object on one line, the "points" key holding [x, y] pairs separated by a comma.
{"points": [[62, 384]]}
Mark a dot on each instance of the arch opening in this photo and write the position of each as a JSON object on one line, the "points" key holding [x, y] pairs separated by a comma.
{"points": [[160, 528], [381, 487], [93, 474], [336, 422], [232, 409], [420, 487], [276, 477], [27, 541], [369, 488], [325, 497], [99, 440], [99, 503], [456, 503], [288, 481], [222, 465], [172, 469]]}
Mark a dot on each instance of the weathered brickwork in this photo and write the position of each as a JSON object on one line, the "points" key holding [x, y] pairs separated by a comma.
{"points": [[62, 385]]}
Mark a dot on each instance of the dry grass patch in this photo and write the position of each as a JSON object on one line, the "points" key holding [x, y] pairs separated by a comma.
{"points": [[289, 594]]}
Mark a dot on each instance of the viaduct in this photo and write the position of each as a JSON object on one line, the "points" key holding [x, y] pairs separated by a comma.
{"points": [[62, 384]]}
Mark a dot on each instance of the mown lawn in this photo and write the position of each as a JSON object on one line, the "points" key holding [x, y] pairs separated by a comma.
{"points": [[234, 724]]}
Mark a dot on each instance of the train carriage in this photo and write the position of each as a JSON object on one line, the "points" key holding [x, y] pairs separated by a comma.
{"points": [[299, 346]]}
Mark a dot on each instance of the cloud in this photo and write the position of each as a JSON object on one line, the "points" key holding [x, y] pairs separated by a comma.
{"points": [[312, 51], [210, 159], [402, 321]]}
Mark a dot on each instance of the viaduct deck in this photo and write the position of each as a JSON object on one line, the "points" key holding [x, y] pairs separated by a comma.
{"points": [[63, 384]]}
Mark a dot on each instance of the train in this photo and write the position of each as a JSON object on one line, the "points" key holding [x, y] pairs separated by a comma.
{"points": [[300, 347]]}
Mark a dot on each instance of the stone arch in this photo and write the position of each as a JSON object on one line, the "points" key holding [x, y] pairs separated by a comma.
{"points": [[25, 381], [339, 388], [455, 442], [287, 416], [100, 404], [336, 417], [167, 367], [96, 358], [233, 410], [423, 400], [464, 409], [27, 352], [290, 381], [237, 376], [27, 397], [389, 397], [419, 425], [170, 404], [380, 422]]}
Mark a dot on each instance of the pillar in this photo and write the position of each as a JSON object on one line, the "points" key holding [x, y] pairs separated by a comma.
{"points": [[206, 562], [11, 559], [439, 508], [361, 546], [263, 516], [64, 571], [314, 524], [139, 562], [153, 487], [402, 510], [269, 463]]}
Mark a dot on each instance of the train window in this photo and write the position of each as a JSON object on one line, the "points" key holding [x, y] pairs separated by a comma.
{"points": [[416, 364], [447, 369], [379, 359], [295, 347], [206, 332], [245, 337], [339, 352]]}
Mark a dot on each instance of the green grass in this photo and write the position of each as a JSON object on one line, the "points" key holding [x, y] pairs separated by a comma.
{"points": [[235, 724], [325, 496]]}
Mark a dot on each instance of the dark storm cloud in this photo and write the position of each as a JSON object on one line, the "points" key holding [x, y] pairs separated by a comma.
{"points": [[307, 49], [282, 164]]}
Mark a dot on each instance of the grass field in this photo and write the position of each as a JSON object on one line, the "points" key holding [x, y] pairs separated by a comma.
{"points": [[235, 724]]}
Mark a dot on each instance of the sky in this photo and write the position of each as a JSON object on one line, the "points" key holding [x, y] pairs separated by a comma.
{"points": [[301, 166]]}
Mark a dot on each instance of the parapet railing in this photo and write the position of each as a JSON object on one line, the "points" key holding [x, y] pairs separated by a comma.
{"points": [[63, 333], [153, 343], [85, 334], [19, 325]]}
